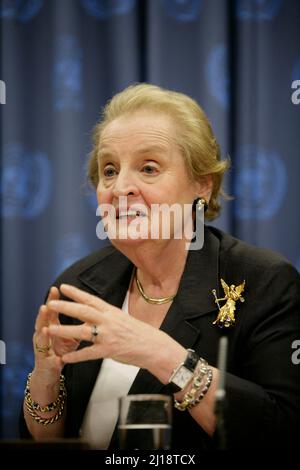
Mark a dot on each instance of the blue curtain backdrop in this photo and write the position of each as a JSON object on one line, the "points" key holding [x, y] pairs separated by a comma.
{"points": [[62, 59]]}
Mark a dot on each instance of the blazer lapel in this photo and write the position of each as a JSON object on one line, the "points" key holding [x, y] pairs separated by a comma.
{"points": [[109, 278]]}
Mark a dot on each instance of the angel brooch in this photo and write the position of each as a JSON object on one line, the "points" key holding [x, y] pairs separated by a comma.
{"points": [[225, 316]]}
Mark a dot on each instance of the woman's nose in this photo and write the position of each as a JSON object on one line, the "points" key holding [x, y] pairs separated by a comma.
{"points": [[125, 185]]}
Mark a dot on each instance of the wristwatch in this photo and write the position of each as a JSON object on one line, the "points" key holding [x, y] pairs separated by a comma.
{"points": [[183, 374]]}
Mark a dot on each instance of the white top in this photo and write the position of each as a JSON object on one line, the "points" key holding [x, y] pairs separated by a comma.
{"points": [[114, 381]]}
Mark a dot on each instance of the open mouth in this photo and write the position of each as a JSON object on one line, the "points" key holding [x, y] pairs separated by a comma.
{"points": [[130, 214]]}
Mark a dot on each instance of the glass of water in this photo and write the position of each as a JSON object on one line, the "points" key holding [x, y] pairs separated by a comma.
{"points": [[145, 422]]}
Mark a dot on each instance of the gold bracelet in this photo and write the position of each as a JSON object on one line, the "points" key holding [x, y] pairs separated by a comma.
{"points": [[46, 421], [33, 407], [47, 408]]}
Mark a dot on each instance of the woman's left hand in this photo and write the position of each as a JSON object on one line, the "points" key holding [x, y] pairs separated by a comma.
{"points": [[120, 337]]}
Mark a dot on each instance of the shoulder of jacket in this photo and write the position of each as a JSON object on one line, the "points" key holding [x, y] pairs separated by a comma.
{"points": [[238, 252], [85, 263]]}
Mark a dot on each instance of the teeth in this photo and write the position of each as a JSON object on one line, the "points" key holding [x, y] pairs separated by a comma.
{"points": [[130, 214]]}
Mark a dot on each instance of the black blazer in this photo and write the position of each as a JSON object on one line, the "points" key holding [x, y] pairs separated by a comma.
{"points": [[262, 383]]}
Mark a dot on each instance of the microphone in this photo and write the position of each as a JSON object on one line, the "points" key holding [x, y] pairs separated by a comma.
{"points": [[220, 397]]}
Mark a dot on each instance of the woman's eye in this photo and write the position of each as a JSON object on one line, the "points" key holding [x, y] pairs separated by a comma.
{"points": [[109, 172], [149, 169]]}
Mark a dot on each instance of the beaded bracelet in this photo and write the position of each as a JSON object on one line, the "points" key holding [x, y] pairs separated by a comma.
{"points": [[203, 392], [58, 404], [199, 387]]}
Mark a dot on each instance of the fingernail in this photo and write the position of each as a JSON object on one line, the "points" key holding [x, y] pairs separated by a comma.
{"points": [[53, 327], [66, 286], [54, 303]]}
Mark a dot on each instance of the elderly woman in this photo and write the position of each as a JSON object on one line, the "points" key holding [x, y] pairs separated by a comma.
{"points": [[139, 316]]}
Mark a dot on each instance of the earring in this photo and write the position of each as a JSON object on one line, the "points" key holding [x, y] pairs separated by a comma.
{"points": [[199, 204]]}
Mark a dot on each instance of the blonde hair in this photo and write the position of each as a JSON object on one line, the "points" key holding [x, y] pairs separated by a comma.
{"points": [[194, 135]]}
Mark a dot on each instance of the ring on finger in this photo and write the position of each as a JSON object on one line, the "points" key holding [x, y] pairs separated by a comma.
{"points": [[43, 349], [94, 333]]}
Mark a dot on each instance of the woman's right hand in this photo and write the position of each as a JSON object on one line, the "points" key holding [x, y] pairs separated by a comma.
{"points": [[48, 351], [44, 382]]}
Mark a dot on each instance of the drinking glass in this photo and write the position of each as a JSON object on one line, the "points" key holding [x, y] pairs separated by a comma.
{"points": [[145, 422]]}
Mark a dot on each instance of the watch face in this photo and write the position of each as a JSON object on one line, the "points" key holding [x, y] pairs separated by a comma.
{"points": [[182, 377]]}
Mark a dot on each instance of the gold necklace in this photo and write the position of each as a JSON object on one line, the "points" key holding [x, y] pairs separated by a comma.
{"points": [[151, 300]]}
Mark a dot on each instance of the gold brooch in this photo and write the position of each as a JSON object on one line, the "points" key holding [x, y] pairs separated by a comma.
{"points": [[226, 312]]}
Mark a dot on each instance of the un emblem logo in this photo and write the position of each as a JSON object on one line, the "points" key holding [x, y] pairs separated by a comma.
{"points": [[261, 181], [21, 10], [70, 248], [183, 10], [25, 182], [104, 9], [67, 76], [260, 10], [217, 75], [19, 362]]}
